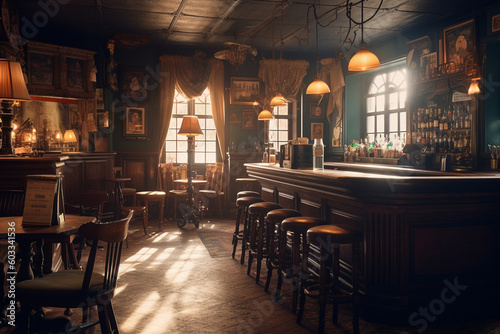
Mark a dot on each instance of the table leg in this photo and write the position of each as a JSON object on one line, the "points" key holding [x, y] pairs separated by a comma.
{"points": [[26, 255]]}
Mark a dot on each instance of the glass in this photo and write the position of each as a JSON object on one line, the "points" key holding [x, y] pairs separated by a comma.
{"points": [[318, 154]]}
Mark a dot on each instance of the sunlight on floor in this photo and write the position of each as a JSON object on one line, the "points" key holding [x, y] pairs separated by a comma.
{"points": [[148, 306]]}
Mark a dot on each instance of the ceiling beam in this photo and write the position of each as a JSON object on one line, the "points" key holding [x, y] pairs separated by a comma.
{"points": [[223, 18], [177, 15]]}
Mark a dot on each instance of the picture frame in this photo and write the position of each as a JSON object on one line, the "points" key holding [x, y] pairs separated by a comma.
{"points": [[316, 130], [495, 23], [74, 72], [249, 120], [244, 91], [42, 69], [135, 121], [316, 111], [134, 85], [233, 118], [102, 119], [458, 43]]}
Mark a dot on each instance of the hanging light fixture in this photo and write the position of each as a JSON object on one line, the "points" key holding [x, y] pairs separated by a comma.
{"points": [[318, 86], [474, 87], [363, 60], [278, 100], [265, 115]]}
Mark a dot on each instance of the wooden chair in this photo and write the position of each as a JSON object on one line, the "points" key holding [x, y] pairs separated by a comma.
{"points": [[167, 174], [77, 288], [215, 189], [127, 192]]}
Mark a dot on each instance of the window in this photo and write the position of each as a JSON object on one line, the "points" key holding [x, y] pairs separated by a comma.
{"points": [[206, 144], [279, 126], [385, 106]]}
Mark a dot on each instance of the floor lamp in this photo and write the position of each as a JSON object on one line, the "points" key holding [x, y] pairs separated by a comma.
{"points": [[265, 115], [190, 127], [12, 88]]}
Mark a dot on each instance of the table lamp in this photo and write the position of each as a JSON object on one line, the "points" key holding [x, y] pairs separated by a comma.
{"points": [[190, 127], [69, 138], [12, 88]]}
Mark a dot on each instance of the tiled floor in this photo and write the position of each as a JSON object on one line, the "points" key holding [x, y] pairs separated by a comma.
{"points": [[185, 281]]}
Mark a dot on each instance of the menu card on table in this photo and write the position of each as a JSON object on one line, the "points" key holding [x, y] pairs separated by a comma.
{"points": [[44, 203]]}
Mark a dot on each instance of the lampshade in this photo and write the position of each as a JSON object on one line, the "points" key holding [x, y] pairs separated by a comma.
{"points": [[190, 126], [69, 136], [12, 84], [364, 60], [278, 100], [265, 115], [318, 86], [474, 87]]}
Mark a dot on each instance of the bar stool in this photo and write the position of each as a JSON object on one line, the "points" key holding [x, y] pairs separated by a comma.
{"points": [[323, 288], [297, 227], [257, 243], [147, 197], [248, 183], [274, 235], [247, 193], [242, 204]]}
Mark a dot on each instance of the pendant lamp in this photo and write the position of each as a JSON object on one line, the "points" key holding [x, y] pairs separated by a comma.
{"points": [[318, 86], [278, 100], [474, 87], [265, 115], [363, 60]]}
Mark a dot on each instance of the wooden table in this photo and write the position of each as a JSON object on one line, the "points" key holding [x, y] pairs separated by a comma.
{"points": [[196, 183], [25, 236], [192, 212], [118, 194]]}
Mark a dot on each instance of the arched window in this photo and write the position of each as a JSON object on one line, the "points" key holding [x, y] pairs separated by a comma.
{"points": [[206, 144], [386, 106]]}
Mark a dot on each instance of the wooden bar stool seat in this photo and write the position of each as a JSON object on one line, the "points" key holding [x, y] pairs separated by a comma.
{"points": [[326, 288], [273, 221], [146, 197], [247, 193], [242, 204], [258, 244], [297, 228]]}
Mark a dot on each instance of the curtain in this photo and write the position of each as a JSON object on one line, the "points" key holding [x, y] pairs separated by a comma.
{"points": [[331, 73], [282, 76], [216, 86], [191, 76]]}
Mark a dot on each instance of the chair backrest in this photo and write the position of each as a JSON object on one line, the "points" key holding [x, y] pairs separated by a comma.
{"points": [[209, 176], [218, 178], [11, 203], [114, 233], [165, 176], [92, 203], [117, 171]]}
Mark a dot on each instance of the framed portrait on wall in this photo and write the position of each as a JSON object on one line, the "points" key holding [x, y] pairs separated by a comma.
{"points": [[316, 111], [316, 130], [458, 43], [134, 85], [249, 120], [244, 90], [495, 23], [135, 121]]}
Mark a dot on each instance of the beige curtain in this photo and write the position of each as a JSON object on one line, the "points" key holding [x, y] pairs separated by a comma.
{"points": [[216, 86], [191, 75], [331, 73], [282, 76]]}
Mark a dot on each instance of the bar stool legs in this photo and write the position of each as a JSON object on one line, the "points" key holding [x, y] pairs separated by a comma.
{"points": [[242, 203]]}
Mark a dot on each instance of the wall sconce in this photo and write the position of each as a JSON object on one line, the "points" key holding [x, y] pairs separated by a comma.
{"points": [[474, 87], [12, 87]]}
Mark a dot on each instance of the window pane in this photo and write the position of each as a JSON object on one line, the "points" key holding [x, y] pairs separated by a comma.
{"points": [[393, 101], [282, 110], [380, 102], [171, 134], [371, 137], [210, 158], [182, 146], [273, 124], [380, 123], [211, 146], [182, 157], [283, 124], [402, 99], [182, 109], [199, 109], [272, 135], [370, 104], [283, 136], [370, 124], [210, 124], [393, 122], [402, 121], [210, 134], [200, 146], [199, 158], [170, 157]]}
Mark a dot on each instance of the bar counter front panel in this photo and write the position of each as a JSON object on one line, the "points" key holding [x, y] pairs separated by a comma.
{"points": [[420, 229]]}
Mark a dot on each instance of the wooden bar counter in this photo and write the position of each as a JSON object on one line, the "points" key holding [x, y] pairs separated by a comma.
{"points": [[431, 239]]}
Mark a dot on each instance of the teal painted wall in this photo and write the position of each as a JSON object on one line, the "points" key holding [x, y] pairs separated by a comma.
{"points": [[491, 94]]}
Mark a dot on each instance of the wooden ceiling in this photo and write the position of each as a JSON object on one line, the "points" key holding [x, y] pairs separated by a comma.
{"points": [[263, 24]]}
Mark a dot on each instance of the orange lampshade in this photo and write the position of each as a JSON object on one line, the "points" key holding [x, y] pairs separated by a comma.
{"points": [[190, 126], [474, 87], [364, 60], [318, 86], [69, 136], [278, 100], [265, 115], [12, 84]]}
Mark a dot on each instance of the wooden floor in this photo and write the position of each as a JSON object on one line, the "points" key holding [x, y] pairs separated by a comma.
{"points": [[185, 281]]}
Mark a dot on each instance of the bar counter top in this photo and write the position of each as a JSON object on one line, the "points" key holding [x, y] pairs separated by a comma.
{"points": [[420, 228]]}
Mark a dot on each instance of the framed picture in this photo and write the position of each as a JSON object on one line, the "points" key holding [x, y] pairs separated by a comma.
{"points": [[103, 119], [74, 74], [249, 120], [316, 130], [41, 69], [458, 43], [234, 119], [135, 121], [495, 23], [244, 90], [134, 85], [316, 111]]}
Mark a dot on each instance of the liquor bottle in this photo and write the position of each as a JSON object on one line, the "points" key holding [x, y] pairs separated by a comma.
{"points": [[318, 154]]}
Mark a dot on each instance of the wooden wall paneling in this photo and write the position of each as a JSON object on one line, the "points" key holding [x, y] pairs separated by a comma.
{"points": [[286, 200], [73, 181], [267, 194], [96, 171], [142, 167]]}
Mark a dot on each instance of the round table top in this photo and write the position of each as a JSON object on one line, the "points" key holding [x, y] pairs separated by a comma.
{"points": [[118, 179], [195, 181]]}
